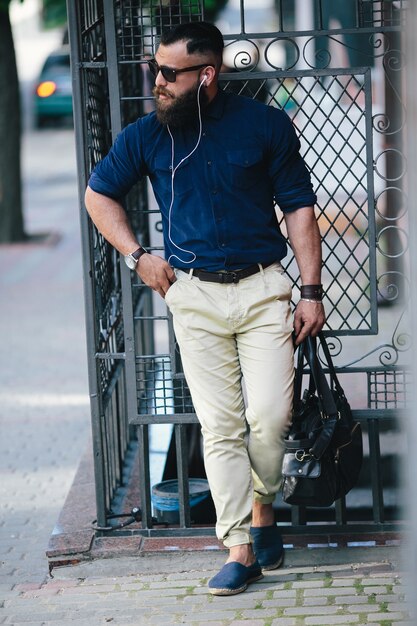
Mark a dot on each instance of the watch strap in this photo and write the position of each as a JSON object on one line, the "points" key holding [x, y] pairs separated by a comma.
{"points": [[138, 253]]}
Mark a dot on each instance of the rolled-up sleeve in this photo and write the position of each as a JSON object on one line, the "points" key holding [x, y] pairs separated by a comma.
{"points": [[122, 167], [289, 174]]}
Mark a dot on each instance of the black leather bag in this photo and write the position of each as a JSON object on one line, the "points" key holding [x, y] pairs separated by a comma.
{"points": [[323, 449]]}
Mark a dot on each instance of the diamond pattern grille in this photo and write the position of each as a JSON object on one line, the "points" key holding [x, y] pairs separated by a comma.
{"points": [[329, 113]]}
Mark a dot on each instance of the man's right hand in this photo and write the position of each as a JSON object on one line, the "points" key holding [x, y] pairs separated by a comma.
{"points": [[155, 272]]}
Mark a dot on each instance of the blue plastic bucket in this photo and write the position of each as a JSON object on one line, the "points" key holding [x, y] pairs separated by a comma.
{"points": [[165, 499]]}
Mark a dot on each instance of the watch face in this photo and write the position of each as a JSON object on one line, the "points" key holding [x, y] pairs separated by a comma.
{"points": [[131, 263]]}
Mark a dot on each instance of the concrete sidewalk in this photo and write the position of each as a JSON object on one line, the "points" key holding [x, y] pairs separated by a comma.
{"points": [[44, 419], [167, 589]]}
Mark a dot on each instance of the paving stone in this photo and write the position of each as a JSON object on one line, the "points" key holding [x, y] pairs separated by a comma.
{"points": [[335, 619], [258, 613], [393, 616], [315, 601], [390, 597], [278, 602], [329, 591], [285, 593], [382, 580], [342, 582], [351, 600], [213, 614], [307, 584], [253, 622], [312, 610], [398, 606], [21, 618], [361, 608], [374, 590]]}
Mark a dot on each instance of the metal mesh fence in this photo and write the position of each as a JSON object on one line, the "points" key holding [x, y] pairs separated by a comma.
{"points": [[347, 144]]}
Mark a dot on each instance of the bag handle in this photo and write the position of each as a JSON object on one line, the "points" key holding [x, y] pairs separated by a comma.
{"points": [[298, 379], [333, 376], [318, 380]]}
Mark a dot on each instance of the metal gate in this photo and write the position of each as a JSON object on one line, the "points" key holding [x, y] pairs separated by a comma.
{"points": [[336, 69]]}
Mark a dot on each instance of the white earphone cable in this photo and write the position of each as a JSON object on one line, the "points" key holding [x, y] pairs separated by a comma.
{"points": [[173, 171]]}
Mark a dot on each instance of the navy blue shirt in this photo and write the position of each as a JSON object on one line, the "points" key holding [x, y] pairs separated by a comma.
{"points": [[222, 215]]}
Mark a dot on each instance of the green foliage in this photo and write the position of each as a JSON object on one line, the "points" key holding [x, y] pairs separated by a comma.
{"points": [[54, 13], [4, 4]]}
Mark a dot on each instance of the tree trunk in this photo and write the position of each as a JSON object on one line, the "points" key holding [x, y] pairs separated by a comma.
{"points": [[11, 216]]}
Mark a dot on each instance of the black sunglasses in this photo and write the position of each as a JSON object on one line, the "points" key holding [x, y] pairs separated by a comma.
{"points": [[169, 73]]}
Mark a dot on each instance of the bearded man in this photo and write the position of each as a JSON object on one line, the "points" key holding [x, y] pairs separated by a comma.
{"points": [[217, 163]]}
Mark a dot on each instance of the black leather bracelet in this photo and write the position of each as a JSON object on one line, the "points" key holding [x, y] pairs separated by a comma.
{"points": [[312, 292]]}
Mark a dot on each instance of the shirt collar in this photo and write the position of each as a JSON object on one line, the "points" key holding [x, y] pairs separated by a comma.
{"points": [[216, 107]]}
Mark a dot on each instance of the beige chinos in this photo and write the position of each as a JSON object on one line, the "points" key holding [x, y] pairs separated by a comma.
{"points": [[226, 331]]}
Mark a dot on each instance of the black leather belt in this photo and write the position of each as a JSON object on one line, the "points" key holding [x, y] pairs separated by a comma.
{"points": [[227, 277]]}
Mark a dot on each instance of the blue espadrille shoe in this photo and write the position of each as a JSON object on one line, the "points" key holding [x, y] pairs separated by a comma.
{"points": [[268, 546], [234, 578]]}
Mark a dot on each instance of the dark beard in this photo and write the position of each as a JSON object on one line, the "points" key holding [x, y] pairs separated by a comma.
{"points": [[183, 109]]}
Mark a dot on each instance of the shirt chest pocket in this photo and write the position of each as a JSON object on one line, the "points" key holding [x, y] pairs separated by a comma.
{"points": [[246, 167], [183, 181]]}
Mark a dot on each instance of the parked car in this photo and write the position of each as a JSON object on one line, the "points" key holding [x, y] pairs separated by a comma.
{"points": [[53, 90]]}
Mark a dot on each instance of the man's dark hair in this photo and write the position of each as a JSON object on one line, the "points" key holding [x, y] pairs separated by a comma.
{"points": [[200, 37]]}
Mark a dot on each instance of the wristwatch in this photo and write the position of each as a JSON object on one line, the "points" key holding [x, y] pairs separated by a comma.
{"points": [[132, 259]]}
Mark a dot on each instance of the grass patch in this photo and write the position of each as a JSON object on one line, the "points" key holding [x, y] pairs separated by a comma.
{"points": [[299, 597], [359, 588], [328, 581]]}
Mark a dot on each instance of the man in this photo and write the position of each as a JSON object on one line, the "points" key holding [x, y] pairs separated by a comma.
{"points": [[216, 162]]}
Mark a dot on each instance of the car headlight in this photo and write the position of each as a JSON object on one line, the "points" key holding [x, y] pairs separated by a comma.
{"points": [[46, 88]]}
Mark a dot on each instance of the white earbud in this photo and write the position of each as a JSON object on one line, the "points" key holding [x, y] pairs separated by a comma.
{"points": [[203, 80]]}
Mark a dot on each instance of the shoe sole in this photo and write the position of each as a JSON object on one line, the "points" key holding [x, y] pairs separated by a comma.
{"points": [[268, 568], [218, 591]]}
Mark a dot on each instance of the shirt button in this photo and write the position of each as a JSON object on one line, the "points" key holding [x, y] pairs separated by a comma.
{"points": [[208, 162]]}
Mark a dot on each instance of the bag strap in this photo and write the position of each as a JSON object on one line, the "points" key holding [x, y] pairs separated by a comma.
{"points": [[298, 378], [321, 384], [326, 401], [333, 376]]}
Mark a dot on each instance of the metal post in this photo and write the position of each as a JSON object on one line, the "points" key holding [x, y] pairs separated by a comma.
{"points": [[410, 461], [304, 21], [95, 396]]}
